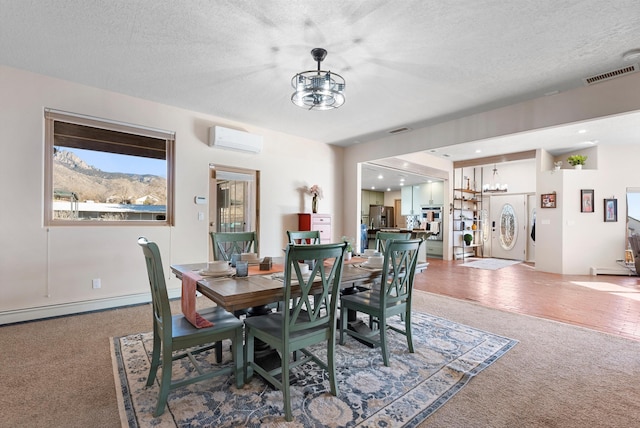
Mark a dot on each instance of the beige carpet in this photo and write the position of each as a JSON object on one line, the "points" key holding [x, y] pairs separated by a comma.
{"points": [[57, 373]]}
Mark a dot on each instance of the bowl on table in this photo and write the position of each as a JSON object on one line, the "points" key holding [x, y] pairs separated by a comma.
{"points": [[375, 261]]}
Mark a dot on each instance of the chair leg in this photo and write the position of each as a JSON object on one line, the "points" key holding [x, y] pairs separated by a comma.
{"points": [[407, 329], [238, 359], [248, 355], [286, 392], [155, 358], [331, 364], [219, 352], [343, 322], [382, 324], [165, 382]]}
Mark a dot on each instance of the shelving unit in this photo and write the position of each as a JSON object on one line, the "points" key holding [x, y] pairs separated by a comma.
{"points": [[467, 219]]}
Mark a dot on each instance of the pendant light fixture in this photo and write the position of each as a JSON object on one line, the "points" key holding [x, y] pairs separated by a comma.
{"points": [[495, 185], [318, 89]]}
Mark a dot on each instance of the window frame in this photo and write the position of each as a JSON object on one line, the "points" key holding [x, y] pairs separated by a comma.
{"points": [[51, 116]]}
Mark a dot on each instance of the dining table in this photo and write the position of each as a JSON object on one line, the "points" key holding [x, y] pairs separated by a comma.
{"points": [[261, 288], [253, 294]]}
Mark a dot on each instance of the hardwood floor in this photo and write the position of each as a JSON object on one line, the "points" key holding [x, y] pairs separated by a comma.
{"points": [[606, 303]]}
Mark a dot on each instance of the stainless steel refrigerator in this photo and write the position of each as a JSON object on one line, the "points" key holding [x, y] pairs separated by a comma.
{"points": [[381, 216]]}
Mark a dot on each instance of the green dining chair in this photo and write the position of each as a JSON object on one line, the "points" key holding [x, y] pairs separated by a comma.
{"points": [[174, 333], [304, 237], [392, 297], [226, 244], [303, 322], [383, 237]]}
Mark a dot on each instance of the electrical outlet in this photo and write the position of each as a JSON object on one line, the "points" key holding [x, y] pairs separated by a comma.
{"points": [[96, 283]]}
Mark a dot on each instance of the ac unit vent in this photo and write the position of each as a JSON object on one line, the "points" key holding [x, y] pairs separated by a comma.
{"points": [[399, 130], [610, 74], [232, 139]]}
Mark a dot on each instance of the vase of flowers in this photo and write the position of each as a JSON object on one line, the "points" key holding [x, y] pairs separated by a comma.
{"points": [[316, 193]]}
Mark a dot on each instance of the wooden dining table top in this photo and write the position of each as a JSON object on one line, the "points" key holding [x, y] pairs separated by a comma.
{"points": [[262, 288]]}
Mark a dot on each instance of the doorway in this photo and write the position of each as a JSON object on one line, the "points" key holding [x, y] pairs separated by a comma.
{"points": [[233, 200], [508, 226]]}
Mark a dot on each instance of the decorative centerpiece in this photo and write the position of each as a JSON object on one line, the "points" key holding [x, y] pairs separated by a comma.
{"points": [[577, 161], [316, 193], [349, 250]]}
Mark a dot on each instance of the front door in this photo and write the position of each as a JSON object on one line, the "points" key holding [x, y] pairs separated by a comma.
{"points": [[508, 226]]}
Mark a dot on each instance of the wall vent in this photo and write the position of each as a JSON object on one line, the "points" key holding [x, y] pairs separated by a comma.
{"points": [[610, 74], [399, 130]]}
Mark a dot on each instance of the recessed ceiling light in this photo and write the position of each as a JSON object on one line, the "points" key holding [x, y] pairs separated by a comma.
{"points": [[478, 151], [402, 180], [373, 187], [445, 155], [582, 131], [388, 189], [402, 184], [380, 177]]}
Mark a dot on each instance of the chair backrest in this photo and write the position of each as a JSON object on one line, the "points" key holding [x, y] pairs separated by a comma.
{"points": [[159, 296], [383, 237], [315, 304], [400, 260], [304, 237], [226, 244]]}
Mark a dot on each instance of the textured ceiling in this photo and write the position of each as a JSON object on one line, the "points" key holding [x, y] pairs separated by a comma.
{"points": [[406, 63]]}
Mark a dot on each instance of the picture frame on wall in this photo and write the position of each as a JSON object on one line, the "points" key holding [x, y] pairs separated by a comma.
{"points": [[610, 210], [586, 200], [548, 200]]}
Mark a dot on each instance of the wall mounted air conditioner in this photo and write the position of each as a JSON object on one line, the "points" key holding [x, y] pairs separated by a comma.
{"points": [[232, 139]]}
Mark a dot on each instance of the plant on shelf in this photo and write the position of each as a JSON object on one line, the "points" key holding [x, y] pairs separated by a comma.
{"points": [[576, 160], [467, 238]]}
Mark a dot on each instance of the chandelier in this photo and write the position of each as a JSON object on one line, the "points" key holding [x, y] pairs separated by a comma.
{"points": [[318, 89], [495, 185]]}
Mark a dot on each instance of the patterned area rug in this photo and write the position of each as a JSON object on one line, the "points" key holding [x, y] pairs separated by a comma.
{"points": [[447, 355], [491, 264]]}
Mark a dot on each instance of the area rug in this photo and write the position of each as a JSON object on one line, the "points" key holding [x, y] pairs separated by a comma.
{"points": [[447, 356], [491, 264]]}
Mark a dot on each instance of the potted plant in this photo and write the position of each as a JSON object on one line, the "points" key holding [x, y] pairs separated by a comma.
{"points": [[467, 238], [577, 161], [349, 250]]}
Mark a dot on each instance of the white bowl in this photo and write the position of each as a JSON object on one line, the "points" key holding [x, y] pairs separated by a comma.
{"points": [[248, 256], [217, 266], [369, 252], [375, 261]]}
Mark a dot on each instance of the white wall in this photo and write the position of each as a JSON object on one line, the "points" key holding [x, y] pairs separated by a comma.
{"points": [[41, 267], [569, 241], [611, 97]]}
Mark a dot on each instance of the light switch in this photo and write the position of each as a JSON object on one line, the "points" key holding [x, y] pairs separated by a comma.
{"points": [[200, 215]]}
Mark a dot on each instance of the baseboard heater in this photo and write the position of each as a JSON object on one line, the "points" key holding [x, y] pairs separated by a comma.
{"points": [[53, 311]]}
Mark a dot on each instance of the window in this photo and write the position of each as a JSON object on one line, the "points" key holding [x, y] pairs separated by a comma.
{"points": [[104, 172]]}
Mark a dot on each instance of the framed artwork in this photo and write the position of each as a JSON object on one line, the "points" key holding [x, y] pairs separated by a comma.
{"points": [[586, 200], [548, 200], [610, 210]]}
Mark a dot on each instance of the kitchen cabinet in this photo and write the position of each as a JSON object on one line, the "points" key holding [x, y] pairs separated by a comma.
{"points": [[410, 200], [368, 198]]}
